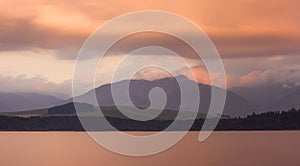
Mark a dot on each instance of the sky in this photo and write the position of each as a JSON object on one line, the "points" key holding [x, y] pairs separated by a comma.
{"points": [[39, 40]]}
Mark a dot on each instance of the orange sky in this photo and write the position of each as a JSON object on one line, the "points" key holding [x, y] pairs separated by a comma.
{"points": [[238, 28], [52, 32]]}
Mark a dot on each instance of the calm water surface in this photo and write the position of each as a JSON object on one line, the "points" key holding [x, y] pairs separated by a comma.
{"points": [[221, 149]]}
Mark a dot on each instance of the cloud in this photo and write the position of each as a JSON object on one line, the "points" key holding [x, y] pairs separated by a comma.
{"points": [[199, 72], [241, 29], [257, 43], [287, 79], [254, 78], [37, 84], [201, 75], [24, 34], [152, 73]]}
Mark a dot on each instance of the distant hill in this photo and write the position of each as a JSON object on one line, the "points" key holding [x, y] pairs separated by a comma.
{"points": [[271, 98], [260, 95], [113, 112], [89, 110], [69, 108], [10, 102], [288, 101], [4, 107]]}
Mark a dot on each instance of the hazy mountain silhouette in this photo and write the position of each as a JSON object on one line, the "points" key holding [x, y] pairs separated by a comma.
{"points": [[288, 101], [139, 92], [4, 107], [26, 101], [260, 95], [271, 98]]}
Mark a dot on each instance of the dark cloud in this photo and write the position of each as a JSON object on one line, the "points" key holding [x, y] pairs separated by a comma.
{"points": [[24, 34], [257, 44], [272, 25], [229, 45], [143, 39]]}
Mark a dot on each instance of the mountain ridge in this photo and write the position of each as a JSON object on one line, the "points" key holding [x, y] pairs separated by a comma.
{"points": [[22, 101], [139, 94]]}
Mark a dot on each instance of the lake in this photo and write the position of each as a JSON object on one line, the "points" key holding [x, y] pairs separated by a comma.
{"points": [[266, 148]]}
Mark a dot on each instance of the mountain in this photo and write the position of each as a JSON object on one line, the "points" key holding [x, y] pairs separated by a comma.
{"points": [[270, 98], [262, 95], [10, 102], [288, 101], [4, 107], [139, 92]]}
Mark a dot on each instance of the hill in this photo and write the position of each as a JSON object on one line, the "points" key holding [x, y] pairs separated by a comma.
{"points": [[12, 102]]}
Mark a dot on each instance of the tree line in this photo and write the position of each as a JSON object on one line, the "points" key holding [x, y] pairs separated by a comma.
{"points": [[281, 120]]}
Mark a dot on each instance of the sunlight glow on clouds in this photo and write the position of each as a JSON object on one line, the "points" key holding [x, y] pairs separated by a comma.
{"points": [[39, 39], [35, 63]]}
